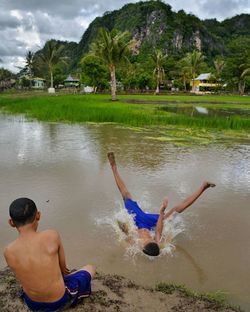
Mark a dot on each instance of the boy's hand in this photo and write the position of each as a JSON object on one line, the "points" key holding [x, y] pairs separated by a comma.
{"points": [[164, 206], [66, 271]]}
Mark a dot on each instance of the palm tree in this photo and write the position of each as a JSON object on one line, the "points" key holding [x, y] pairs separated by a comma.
{"points": [[158, 59], [183, 72], [113, 48], [245, 72], [194, 61], [50, 57], [218, 65], [185, 76], [29, 66]]}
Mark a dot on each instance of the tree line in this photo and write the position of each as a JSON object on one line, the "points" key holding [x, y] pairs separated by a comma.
{"points": [[111, 63]]}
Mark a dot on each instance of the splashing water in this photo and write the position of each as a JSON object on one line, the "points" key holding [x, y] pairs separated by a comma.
{"points": [[122, 220]]}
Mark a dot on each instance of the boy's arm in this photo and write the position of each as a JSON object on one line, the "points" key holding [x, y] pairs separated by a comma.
{"points": [[160, 222], [6, 255], [159, 227], [62, 260]]}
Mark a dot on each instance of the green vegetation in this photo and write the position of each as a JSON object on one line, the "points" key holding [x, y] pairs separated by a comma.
{"points": [[50, 57], [159, 72], [193, 62], [216, 300], [29, 66], [98, 108], [94, 72], [192, 47], [112, 48]]}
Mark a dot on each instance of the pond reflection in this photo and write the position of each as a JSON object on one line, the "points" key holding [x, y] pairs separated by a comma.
{"points": [[199, 111]]}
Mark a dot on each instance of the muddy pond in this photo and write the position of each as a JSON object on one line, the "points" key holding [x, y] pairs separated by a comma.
{"points": [[64, 169]]}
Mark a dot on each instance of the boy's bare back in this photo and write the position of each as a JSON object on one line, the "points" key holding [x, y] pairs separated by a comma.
{"points": [[37, 259]]}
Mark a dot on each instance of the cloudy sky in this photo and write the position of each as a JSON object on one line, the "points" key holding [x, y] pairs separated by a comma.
{"points": [[27, 24]]}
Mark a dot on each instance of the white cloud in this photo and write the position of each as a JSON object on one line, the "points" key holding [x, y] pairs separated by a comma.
{"points": [[13, 63], [219, 9], [17, 14]]}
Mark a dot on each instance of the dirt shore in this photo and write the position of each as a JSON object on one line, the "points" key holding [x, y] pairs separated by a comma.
{"points": [[115, 293]]}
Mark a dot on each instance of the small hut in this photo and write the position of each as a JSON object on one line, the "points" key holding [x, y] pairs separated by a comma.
{"points": [[71, 82], [204, 82], [38, 83]]}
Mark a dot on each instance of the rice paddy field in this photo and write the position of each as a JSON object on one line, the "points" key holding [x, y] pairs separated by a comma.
{"points": [[191, 115]]}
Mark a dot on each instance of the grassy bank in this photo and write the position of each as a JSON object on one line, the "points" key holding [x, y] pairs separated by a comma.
{"points": [[112, 293], [99, 108], [217, 300]]}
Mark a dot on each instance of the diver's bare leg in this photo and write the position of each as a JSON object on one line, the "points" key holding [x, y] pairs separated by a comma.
{"points": [[192, 198], [188, 201], [119, 182]]}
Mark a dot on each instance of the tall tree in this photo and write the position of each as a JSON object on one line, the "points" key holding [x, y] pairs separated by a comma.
{"points": [[94, 72], [245, 71], [183, 72], [194, 62], [50, 57], [159, 73], [113, 48], [237, 63], [29, 65], [219, 64]]}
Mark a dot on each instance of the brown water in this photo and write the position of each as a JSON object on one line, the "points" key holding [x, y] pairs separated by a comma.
{"points": [[66, 165]]}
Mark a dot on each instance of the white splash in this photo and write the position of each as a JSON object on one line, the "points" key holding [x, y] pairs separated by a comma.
{"points": [[172, 227]]}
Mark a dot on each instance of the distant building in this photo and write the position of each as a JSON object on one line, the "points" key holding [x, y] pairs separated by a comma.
{"points": [[71, 82], [204, 82], [38, 83]]}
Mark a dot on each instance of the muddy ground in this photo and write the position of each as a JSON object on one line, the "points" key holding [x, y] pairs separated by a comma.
{"points": [[115, 293]]}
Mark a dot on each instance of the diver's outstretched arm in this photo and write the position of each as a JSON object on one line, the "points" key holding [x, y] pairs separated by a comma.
{"points": [[119, 182]]}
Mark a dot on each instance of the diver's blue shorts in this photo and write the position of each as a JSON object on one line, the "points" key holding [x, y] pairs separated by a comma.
{"points": [[77, 286], [142, 220]]}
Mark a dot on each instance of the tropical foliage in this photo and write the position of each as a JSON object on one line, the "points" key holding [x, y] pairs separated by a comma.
{"points": [[94, 72], [159, 72], [50, 57], [192, 46], [193, 63], [112, 48], [29, 65]]}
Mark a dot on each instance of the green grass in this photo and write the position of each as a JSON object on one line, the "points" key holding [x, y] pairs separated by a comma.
{"points": [[214, 300], [99, 108]]}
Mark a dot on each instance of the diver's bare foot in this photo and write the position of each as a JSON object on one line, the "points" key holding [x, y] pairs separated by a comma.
{"points": [[207, 184], [111, 157]]}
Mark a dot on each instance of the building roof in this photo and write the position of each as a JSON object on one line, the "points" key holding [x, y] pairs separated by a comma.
{"points": [[38, 78], [71, 79], [204, 76]]}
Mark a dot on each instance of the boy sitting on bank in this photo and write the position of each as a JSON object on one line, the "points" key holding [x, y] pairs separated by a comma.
{"points": [[38, 261]]}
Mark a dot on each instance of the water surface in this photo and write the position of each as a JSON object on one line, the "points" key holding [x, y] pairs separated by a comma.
{"points": [[64, 169], [199, 111]]}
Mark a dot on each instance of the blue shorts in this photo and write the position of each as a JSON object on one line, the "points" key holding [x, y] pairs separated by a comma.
{"points": [[142, 220], [77, 286]]}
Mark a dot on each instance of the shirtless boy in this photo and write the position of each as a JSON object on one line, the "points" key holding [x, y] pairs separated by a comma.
{"points": [[38, 261], [145, 222]]}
